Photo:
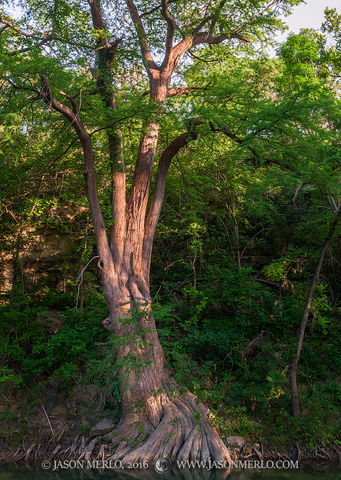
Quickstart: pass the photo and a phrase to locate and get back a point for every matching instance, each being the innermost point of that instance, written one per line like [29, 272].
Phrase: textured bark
[159, 190]
[104, 77]
[157, 421]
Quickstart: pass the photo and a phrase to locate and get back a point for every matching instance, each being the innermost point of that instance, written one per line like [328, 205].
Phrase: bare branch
[144, 46]
[80, 279]
[171, 25]
[48, 419]
[294, 362]
[152, 10]
[173, 92]
[297, 191]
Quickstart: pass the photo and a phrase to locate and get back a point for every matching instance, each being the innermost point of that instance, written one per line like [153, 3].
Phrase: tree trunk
[293, 367]
[157, 421]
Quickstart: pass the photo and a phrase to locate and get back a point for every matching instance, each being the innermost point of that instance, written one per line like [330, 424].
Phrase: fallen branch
[48, 420]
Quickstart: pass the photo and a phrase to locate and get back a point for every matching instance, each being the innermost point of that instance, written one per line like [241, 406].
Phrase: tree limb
[17, 29]
[159, 190]
[173, 92]
[89, 173]
[296, 411]
[207, 37]
[72, 100]
[226, 131]
[21, 87]
[171, 25]
[104, 78]
[203, 22]
[152, 10]
[44, 37]
[144, 46]
[190, 41]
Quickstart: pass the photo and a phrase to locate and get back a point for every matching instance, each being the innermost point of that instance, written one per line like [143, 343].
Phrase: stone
[102, 427]
[235, 441]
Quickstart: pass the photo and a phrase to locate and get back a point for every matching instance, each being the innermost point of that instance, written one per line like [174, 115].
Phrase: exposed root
[36, 455]
[188, 439]
[182, 432]
[61, 434]
[258, 453]
[15, 454]
[29, 452]
[101, 453]
[74, 446]
[89, 449]
[55, 451]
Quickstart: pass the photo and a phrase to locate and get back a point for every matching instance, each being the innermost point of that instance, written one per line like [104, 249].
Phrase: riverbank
[67, 445]
[78, 425]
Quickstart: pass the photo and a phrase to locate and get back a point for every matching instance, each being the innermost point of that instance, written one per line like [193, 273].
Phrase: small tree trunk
[293, 367]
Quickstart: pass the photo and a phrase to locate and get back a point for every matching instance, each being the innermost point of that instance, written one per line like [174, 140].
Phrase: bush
[38, 343]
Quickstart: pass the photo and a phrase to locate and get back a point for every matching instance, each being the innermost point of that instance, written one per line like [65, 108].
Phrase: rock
[102, 427]
[235, 441]
[107, 438]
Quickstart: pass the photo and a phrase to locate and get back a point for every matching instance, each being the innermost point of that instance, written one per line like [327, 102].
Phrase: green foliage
[8, 378]
[37, 343]
[248, 389]
[102, 371]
